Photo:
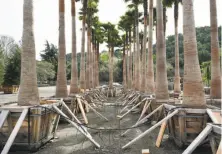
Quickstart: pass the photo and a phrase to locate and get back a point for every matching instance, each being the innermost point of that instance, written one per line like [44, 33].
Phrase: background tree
[45, 71]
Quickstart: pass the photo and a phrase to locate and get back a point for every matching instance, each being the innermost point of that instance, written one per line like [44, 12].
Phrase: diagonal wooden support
[82, 110]
[144, 119]
[14, 132]
[219, 151]
[80, 128]
[99, 114]
[145, 108]
[3, 116]
[198, 139]
[120, 117]
[150, 129]
[161, 133]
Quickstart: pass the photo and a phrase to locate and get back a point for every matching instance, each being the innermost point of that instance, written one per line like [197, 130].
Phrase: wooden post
[151, 129]
[161, 133]
[198, 139]
[14, 132]
[36, 123]
[82, 111]
[182, 125]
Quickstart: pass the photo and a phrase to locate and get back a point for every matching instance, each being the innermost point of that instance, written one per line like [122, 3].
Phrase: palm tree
[82, 64]
[150, 72]
[28, 91]
[143, 66]
[193, 92]
[161, 71]
[61, 84]
[124, 62]
[215, 55]
[177, 88]
[74, 73]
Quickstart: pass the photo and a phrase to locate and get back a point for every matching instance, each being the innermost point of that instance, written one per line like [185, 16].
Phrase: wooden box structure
[185, 126]
[10, 89]
[38, 127]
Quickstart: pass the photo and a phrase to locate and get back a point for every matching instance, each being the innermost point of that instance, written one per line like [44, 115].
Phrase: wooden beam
[3, 116]
[150, 129]
[82, 110]
[145, 108]
[144, 119]
[219, 150]
[214, 118]
[78, 127]
[213, 144]
[14, 132]
[161, 133]
[198, 139]
[145, 151]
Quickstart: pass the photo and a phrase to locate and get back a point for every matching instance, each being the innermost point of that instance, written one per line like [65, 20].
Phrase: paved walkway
[43, 92]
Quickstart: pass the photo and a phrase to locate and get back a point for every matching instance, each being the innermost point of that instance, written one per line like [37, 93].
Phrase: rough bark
[161, 70]
[28, 90]
[177, 88]
[134, 58]
[88, 61]
[111, 67]
[193, 91]
[61, 84]
[97, 63]
[138, 63]
[124, 66]
[215, 55]
[130, 62]
[82, 64]
[74, 72]
[150, 71]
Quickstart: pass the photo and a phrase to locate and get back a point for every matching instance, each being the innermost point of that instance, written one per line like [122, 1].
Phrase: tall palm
[61, 84]
[74, 73]
[161, 71]
[193, 92]
[82, 64]
[177, 88]
[150, 71]
[143, 66]
[215, 55]
[28, 92]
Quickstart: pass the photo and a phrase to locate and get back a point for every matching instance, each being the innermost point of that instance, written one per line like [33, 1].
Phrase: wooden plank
[161, 133]
[145, 151]
[3, 116]
[151, 129]
[182, 126]
[82, 110]
[198, 139]
[213, 144]
[14, 132]
[145, 107]
[215, 116]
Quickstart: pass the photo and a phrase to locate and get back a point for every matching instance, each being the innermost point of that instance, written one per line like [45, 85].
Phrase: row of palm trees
[138, 72]
[142, 75]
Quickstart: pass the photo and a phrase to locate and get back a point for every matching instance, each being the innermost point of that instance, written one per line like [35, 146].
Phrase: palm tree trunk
[193, 92]
[74, 73]
[124, 66]
[28, 78]
[82, 64]
[138, 63]
[161, 71]
[215, 55]
[130, 61]
[134, 57]
[164, 20]
[150, 71]
[88, 76]
[143, 77]
[177, 67]
[97, 63]
[111, 67]
[61, 84]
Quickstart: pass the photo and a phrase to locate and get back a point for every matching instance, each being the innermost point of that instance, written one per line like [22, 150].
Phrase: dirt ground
[70, 141]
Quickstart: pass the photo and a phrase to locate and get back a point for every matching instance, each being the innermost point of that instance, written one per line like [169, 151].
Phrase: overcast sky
[46, 19]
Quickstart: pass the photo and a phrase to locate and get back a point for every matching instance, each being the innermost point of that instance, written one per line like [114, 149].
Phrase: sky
[46, 19]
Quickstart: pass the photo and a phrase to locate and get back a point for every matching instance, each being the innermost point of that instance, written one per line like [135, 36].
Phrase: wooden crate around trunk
[37, 129]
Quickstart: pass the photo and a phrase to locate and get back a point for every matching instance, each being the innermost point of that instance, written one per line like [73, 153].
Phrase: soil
[71, 141]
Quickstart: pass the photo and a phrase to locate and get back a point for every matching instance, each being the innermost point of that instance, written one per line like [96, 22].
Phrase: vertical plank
[3, 116]
[182, 126]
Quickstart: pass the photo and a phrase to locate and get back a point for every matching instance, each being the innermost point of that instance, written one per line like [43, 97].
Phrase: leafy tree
[50, 54]
[1, 67]
[205, 69]
[45, 71]
[13, 68]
